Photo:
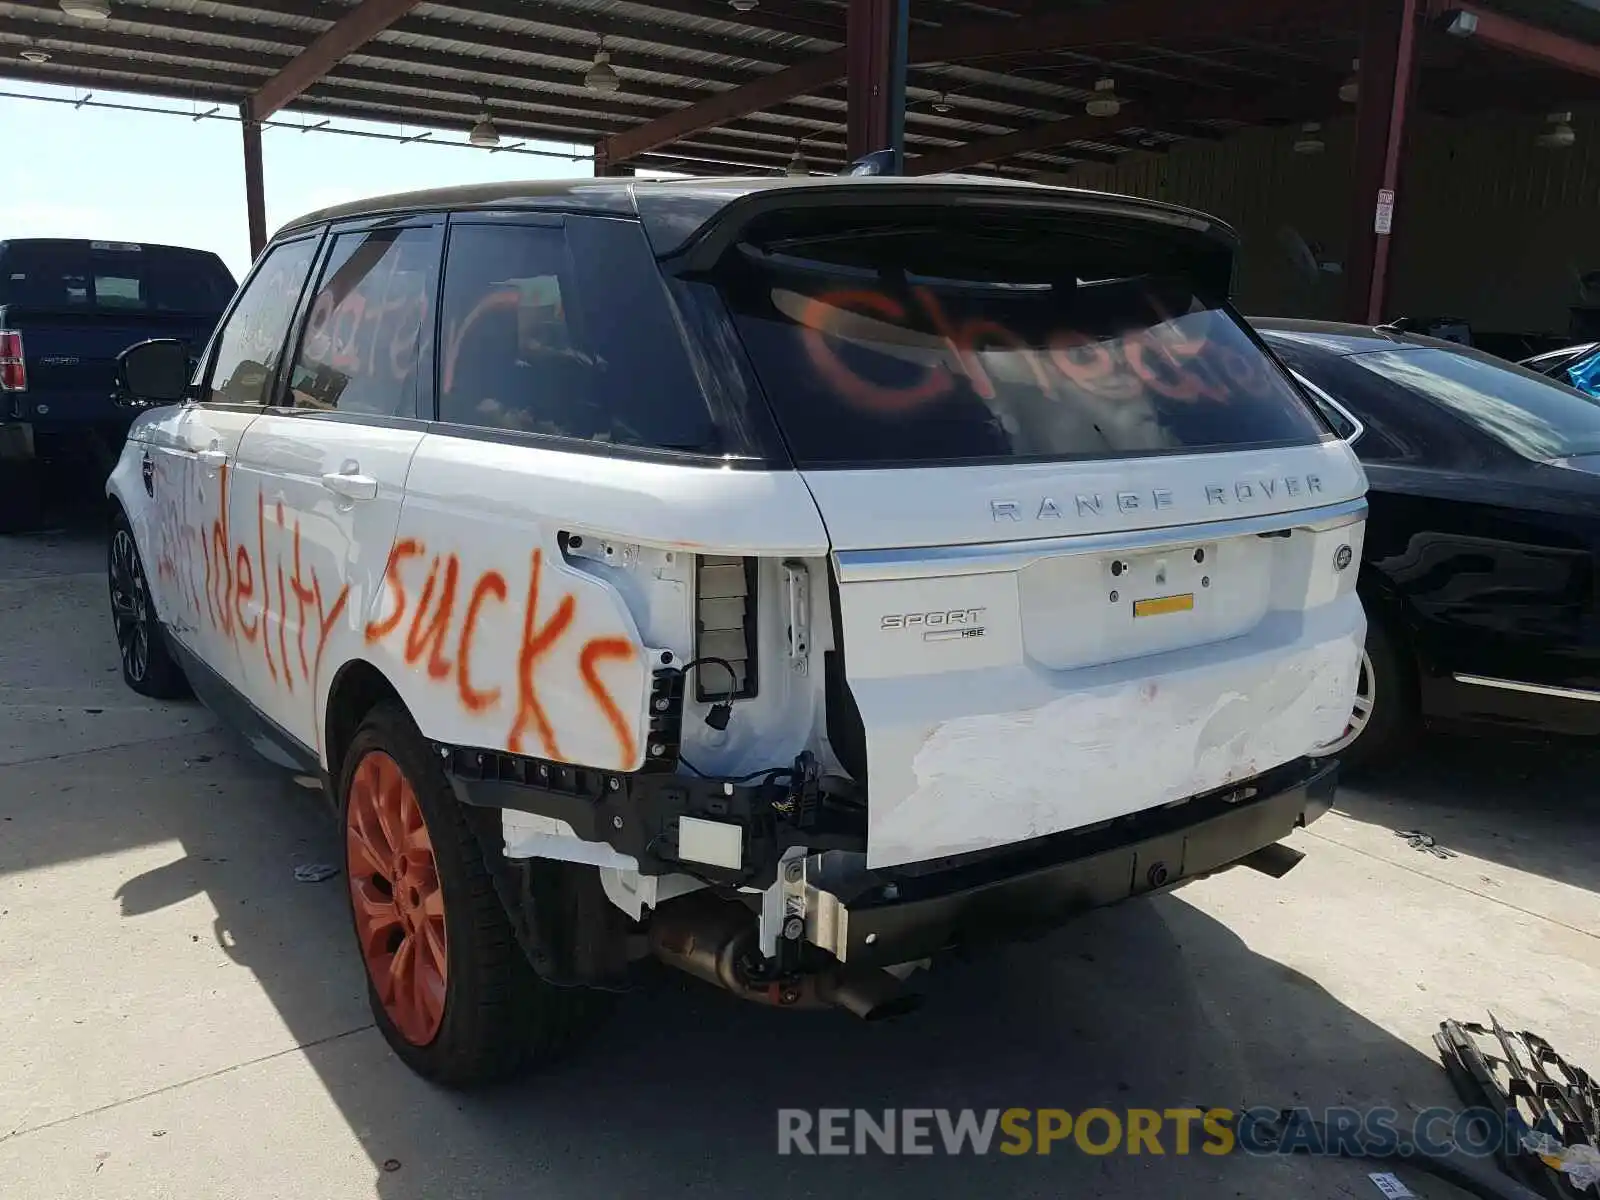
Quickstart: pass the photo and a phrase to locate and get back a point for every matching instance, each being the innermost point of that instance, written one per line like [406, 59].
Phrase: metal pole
[255, 191]
[896, 99]
[1398, 111]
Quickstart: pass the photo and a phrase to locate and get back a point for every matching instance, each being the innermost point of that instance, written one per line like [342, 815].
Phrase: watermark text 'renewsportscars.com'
[1351, 1132]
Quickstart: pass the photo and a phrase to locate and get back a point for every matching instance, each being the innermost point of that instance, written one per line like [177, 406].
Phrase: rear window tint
[866, 364]
[113, 275]
[565, 331]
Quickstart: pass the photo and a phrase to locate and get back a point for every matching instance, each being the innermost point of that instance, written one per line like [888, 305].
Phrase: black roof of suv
[675, 210]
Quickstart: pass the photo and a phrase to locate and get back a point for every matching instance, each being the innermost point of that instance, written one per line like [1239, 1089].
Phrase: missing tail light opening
[725, 627]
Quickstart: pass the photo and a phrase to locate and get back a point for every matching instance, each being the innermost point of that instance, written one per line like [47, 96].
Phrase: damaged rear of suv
[837, 572]
[1068, 600]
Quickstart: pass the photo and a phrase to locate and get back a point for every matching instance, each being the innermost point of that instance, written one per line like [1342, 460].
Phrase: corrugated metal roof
[524, 61]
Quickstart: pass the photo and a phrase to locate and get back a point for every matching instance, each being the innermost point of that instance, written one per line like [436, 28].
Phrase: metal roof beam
[1052, 134]
[1133, 21]
[363, 23]
[373, 62]
[1518, 37]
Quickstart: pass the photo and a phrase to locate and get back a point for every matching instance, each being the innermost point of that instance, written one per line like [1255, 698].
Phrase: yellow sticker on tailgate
[1157, 605]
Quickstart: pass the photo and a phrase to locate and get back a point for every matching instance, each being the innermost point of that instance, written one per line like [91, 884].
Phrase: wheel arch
[1386, 605]
[356, 688]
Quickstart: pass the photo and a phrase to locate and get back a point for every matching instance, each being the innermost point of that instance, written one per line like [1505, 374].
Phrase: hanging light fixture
[942, 104]
[31, 53]
[742, 5]
[797, 162]
[1560, 135]
[87, 10]
[1310, 139]
[484, 133]
[1350, 89]
[1104, 102]
[601, 75]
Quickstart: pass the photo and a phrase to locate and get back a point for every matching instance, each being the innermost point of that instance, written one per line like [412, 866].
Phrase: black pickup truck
[67, 309]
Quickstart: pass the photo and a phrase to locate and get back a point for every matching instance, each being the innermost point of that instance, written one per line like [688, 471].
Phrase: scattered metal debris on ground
[1418, 840]
[315, 872]
[1556, 1103]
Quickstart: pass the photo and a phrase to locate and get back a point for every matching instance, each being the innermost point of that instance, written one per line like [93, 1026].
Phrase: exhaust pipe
[713, 940]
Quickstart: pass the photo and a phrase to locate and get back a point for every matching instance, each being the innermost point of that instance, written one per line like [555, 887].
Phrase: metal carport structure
[712, 86]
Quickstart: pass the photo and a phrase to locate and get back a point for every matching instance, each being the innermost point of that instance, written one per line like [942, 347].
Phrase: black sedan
[1482, 554]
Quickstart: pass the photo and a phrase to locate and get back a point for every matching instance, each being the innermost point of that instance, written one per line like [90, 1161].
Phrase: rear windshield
[867, 363]
[1536, 417]
[113, 276]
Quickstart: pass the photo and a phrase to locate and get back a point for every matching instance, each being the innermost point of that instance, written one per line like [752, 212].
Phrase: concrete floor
[184, 1019]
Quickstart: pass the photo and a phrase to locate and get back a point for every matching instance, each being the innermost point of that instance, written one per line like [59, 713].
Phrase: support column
[1387, 79]
[875, 34]
[255, 190]
[604, 168]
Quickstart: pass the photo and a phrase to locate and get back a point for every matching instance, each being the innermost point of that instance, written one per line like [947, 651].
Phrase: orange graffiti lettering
[303, 596]
[378, 630]
[606, 648]
[535, 644]
[491, 584]
[283, 643]
[220, 543]
[266, 588]
[818, 318]
[325, 624]
[501, 299]
[245, 590]
[421, 636]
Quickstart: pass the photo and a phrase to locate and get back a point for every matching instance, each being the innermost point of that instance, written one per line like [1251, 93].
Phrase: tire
[147, 663]
[477, 1012]
[1388, 685]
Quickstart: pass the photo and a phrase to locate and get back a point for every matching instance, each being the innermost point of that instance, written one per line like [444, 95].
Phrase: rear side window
[1535, 417]
[113, 276]
[564, 330]
[250, 343]
[866, 362]
[370, 324]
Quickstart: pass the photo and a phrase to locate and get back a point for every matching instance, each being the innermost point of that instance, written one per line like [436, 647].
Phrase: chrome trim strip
[1322, 394]
[855, 566]
[1533, 689]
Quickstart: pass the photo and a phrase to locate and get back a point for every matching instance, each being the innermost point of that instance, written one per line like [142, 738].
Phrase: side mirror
[155, 372]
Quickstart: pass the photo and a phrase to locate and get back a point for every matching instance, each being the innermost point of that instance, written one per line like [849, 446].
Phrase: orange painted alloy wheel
[395, 894]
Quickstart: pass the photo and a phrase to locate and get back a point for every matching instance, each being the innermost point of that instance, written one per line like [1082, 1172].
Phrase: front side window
[250, 344]
[370, 324]
[565, 331]
[867, 361]
[1533, 416]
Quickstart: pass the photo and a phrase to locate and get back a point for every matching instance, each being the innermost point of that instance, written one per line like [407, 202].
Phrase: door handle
[212, 458]
[350, 486]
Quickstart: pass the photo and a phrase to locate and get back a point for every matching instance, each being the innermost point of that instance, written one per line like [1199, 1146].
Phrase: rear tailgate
[1095, 552]
[71, 355]
[1013, 689]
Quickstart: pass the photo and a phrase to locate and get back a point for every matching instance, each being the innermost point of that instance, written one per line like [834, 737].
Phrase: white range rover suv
[787, 579]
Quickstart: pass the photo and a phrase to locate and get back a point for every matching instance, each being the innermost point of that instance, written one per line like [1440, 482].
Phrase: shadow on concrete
[1152, 1004]
[1531, 804]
